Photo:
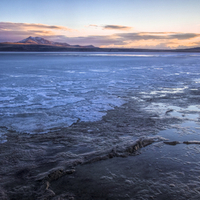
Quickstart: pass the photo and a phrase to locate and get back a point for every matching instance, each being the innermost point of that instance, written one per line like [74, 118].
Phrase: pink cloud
[13, 32]
[27, 26]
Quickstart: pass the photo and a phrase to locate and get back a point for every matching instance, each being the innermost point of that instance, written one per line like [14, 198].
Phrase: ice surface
[40, 91]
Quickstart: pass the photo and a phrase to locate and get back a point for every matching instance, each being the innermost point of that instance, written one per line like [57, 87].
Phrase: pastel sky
[161, 24]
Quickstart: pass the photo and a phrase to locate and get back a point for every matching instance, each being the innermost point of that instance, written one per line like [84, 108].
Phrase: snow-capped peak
[42, 41]
[35, 40]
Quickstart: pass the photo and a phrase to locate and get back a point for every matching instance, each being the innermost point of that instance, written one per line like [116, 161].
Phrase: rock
[168, 111]
[172, 143]
[191, 142]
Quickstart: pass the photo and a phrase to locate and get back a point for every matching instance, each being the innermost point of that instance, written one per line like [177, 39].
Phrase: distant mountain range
[38, 44]
[42, 41]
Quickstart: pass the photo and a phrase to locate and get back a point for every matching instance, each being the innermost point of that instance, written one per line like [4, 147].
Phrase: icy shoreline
[38, 166]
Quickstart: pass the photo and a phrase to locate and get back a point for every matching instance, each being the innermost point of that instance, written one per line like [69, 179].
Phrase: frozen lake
[124, 124]
[43, 91]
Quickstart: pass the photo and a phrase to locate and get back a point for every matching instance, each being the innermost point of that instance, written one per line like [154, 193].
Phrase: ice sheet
[60, 88]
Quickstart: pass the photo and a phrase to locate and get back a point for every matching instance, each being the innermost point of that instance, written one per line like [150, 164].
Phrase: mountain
[38, 44]
[42, 41]
[35, 40]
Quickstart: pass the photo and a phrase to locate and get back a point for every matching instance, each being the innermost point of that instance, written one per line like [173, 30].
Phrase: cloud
[112, 27]
[93, 40]
[140, 40]
[92, 25]
[130, 39]
[184, 36]
[117, 27]
[25, 26]
[13, 32]
[157, 36]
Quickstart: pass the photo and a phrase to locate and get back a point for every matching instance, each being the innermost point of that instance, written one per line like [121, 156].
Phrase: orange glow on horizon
[114, 36]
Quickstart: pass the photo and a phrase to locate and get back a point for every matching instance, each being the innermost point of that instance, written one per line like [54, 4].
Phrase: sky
[158, 24]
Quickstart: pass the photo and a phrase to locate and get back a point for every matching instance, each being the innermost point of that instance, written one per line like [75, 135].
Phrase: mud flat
[147, 148]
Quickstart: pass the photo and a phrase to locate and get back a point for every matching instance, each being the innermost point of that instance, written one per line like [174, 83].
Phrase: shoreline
[49, 48]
